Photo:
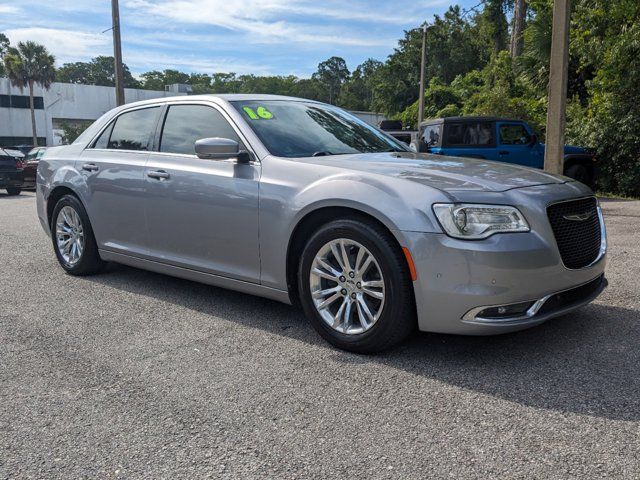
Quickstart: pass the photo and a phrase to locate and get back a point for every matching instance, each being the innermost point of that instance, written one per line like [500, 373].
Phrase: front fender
[399, 205]
[291, 190]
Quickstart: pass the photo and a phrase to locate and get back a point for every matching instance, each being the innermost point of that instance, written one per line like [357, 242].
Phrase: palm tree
[29, 64]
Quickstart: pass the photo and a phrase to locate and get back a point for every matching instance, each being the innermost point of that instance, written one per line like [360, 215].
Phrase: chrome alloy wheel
[69, 235]
[347, 286]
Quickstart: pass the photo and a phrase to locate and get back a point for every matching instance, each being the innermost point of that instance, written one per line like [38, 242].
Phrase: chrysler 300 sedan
[301, 202]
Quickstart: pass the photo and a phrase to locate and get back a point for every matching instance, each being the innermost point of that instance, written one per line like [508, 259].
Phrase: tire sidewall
[578, 170]
[89, 242]
[393, 283]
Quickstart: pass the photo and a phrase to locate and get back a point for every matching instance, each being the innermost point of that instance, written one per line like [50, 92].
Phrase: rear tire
[14, 191]
[70, 224]
[393, 316]
[579, 173]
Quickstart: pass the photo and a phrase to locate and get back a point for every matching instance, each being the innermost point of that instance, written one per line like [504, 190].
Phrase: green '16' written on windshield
[258, 113]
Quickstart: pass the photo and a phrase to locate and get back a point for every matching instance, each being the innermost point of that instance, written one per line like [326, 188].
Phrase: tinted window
[476, 134]
[305, 129]
[513, 134]
[431, 135]
[103, 139]
[185, 124]
[133, 130]
[21, 101]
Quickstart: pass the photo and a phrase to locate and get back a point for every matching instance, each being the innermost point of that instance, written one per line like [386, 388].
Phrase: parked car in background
[11, 170]
[31, 161]
[302, 202]
[397, 131]
[500, 139]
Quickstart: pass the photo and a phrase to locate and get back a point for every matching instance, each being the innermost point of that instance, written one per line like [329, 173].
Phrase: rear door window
[184, 124]
[470, 134]
[130, 131]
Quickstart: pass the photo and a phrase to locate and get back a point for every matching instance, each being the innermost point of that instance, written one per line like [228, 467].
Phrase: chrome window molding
[214, 105]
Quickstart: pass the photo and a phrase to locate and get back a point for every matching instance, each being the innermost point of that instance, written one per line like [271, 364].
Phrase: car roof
[468, 119]
[229, 97]
[7, 152]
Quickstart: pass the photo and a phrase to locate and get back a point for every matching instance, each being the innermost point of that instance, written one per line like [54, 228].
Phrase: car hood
[444, 173]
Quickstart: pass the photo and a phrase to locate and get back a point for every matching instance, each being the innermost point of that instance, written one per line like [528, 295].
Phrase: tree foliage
[29, 64]
[99, 71]
[475, 65]
[4, 46]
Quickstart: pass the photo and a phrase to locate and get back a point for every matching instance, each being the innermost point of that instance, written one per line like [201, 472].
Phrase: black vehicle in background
[11, 171]
[31, 167]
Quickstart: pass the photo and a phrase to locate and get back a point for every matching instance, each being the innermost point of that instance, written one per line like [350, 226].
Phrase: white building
[63, 102]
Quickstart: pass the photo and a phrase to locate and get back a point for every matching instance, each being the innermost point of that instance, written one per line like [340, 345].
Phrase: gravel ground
[132, 374]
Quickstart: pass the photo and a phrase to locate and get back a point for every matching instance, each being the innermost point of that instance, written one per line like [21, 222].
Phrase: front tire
[73, 240]
[355, 287]
[14, 191]
[580, 173]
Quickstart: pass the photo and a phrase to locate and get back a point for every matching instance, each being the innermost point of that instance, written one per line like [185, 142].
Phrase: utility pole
[422, 68]
[558, 74]
[117, 53]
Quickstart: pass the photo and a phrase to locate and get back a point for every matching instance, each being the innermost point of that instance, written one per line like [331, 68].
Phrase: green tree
[454, 47]
[99, 71]
[357, 92]
[27, 65]
[72, 131]
[309, 88]
[332, 74]
[493, 25]
[606, 40]
[4, 45]
[156, 80]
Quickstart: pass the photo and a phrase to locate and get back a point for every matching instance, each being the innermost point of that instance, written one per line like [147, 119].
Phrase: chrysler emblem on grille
[579, 217]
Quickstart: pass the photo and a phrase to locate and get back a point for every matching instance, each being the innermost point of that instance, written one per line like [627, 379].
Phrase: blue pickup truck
[500, 139]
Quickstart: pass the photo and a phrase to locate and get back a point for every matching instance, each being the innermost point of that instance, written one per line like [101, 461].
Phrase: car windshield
[33, 154]
[306, 129]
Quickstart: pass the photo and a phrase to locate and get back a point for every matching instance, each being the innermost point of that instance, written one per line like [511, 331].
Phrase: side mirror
[216, 148]
[533, 140]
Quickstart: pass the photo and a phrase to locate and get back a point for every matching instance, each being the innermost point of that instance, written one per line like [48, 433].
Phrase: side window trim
[112, 122]
[157, 133]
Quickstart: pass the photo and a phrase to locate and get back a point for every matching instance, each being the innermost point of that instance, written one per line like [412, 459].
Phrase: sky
[263, 37]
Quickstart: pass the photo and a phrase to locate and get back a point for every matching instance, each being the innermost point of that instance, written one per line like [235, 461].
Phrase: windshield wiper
[322, 153]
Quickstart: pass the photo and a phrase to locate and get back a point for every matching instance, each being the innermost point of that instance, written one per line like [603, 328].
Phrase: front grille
[576, 227]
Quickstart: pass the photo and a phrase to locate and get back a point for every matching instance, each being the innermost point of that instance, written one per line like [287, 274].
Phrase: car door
[514, 145]
[113, 169]
[202, 214]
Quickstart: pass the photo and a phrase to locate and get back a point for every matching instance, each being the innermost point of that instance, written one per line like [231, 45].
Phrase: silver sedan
[303, 203]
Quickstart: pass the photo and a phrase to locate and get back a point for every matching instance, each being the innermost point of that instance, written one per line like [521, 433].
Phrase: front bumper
[458, 279]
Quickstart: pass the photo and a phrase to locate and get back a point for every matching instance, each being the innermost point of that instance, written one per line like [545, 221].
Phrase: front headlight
[474, 222]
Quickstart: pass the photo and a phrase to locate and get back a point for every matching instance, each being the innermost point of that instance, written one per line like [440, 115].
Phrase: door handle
[90, 167]
[158, 175]
[503, 152]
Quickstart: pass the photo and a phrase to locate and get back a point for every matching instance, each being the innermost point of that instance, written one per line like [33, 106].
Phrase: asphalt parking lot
[136, 375]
